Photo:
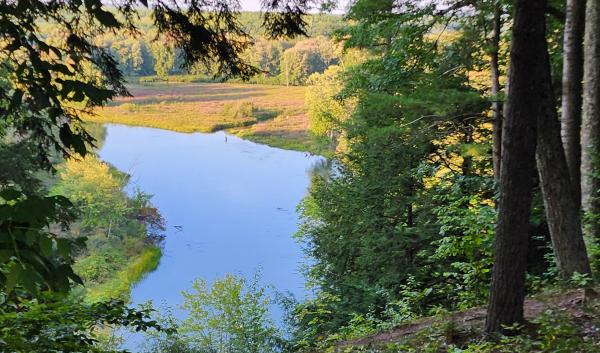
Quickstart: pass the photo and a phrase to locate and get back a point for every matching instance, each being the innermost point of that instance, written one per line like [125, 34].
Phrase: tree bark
[572, 78]
[590, 129]
[495, 90]
[524, 105]
[560, 199]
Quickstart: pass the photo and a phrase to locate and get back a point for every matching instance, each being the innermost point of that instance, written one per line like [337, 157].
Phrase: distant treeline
[288, 62]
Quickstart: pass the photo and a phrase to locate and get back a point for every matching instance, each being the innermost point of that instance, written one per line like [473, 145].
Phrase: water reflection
[229, 204]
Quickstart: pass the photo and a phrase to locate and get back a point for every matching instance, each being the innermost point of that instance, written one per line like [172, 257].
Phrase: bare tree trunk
[109, 229]
[572, 78]
[560, 199]
[590, 129]
[495, 90]
[524, 105]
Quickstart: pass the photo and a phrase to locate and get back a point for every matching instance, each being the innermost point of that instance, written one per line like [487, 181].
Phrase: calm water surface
[229, 205]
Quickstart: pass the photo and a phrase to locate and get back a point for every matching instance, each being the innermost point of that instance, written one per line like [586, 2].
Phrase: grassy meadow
[274, 115]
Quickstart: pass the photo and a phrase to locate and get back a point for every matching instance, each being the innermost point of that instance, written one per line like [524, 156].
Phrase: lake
[229, 204]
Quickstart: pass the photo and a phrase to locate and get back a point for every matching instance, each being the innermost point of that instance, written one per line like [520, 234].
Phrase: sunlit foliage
[229, 316]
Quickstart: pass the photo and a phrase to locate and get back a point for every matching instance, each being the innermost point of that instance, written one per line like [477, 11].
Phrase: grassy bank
[276, 115]
[123, 231]
[119, 285]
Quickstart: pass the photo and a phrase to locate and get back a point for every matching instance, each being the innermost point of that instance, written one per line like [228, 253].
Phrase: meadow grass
[277, 114]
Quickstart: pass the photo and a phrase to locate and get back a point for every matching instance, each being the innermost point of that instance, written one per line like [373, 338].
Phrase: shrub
[237, 110]
[231, 315]
[130, 107]
[99, 267]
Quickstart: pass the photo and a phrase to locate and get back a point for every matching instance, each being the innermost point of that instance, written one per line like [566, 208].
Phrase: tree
[305, 58]
[47, 84]
[229, 316]
[128, 53]
[590, 129]
[96, 190]
[495, 90]
[572, 78]
[58, 324]
[266, 55]
[164, 58]
[525, 102]
[559, 194]
[558, 165]
[388, 228]
[325, 112]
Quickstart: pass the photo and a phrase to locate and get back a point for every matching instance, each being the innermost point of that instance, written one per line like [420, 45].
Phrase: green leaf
[12, 276]
[63, 247]
[46, 246]
[10, 194]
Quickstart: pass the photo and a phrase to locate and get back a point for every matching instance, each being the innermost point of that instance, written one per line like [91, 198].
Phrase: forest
[457, 209]
[148, 58]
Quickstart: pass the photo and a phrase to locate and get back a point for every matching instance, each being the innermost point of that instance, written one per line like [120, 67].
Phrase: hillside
[557, 322]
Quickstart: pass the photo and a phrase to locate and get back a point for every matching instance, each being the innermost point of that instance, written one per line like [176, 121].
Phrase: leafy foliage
[305, 58]
[229, 316]
[48, 82]
[325, 113]
[404, 224]
[92, 186]
[31, 255]
[123, 232]
[148, 53]
[57, 324]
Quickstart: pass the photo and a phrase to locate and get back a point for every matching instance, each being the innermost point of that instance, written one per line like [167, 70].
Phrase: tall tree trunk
[524, 105]
[572, 78]
[560, 200]
[590, 129]
[495, 90]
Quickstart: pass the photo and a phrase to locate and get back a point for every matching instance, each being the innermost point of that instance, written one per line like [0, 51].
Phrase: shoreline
[266, 114]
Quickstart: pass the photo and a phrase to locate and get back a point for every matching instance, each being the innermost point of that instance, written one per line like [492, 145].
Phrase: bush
[99, 267]
[130, 107]
[93, 268]
[54, 323]
[239, 110]
[231, 313]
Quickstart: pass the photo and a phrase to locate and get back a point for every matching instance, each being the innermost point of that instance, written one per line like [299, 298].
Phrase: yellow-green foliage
[99, 267]
[239, 109]
[96, 189]
[325, 112]
[230, 315]
[307, 57]
[121, 282]
[117, 253]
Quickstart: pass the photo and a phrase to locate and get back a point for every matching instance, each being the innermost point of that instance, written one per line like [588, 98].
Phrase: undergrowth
[570, 329]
